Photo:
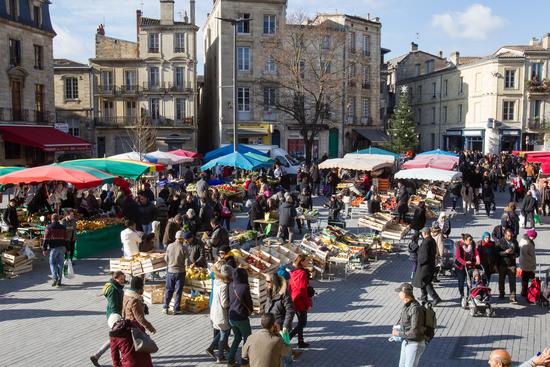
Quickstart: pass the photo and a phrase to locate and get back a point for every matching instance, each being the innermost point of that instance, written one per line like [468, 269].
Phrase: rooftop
[156, 22]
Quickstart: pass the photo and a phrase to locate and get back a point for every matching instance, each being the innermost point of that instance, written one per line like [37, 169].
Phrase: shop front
[454, 141]
[510, 139]
[464, 139]
[532, 142]
[251, 134]
[297, 148]
[365, 138]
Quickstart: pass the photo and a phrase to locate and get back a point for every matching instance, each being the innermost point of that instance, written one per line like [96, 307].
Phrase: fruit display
[197, 273]
[389, 204]
[196, 304]
[96, 224]
[256, 262]
[242, 237]
[357, 201]
[141, 263]
[376, 221]
[192, 187]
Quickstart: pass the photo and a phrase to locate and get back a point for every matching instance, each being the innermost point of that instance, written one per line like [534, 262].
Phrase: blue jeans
[220, 340]
[147, 228]
[57, 256]
[174, 283]
[241, 331]
[411, 352]
[461, 276]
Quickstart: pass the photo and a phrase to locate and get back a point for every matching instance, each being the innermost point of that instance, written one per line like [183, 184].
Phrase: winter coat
[545, 195]
[172, 227]
[461, 256]
[281, 306]
[510, 220]
[202, 187]
[161, 212]
[123, 353]
[10, 217]
[426, 263]
[240, 300]
[504, 259]
[191, 224]
[419, 219]
[197, 254]
[133, 309]
[403, 197]
[298, 284]
[488, 257]
[487, 194]
[467, 194]
[146, 214]
[220, 306]
[413, 250]
[54, 236]
[412, 322]
[529, 204]
[205, 214]
[287, 213]
[219, 238]
[256, 211]
[263, 349]
[455, 189]
[527, 259]
[114, 294]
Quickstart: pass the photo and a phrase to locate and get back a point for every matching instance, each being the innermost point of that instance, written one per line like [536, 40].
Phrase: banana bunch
[197, 273]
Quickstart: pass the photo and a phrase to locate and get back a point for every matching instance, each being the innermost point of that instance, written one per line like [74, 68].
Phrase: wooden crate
[153, 294]
[21, 268]
[183, 303]
[195, 306]
[124, 265]
[137, 269]
[12, 257]
[199, 285]
[152, 264]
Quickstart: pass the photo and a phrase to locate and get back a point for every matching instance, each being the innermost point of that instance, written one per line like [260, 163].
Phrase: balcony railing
[537, 87]
[26, 115]
[366, 85]
[128, 89]
[366, 120]
[536, 123]
[106, 89]
[116, 121]
[125, 121]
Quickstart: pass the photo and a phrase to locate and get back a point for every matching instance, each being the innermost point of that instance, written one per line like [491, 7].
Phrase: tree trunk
[308, 144]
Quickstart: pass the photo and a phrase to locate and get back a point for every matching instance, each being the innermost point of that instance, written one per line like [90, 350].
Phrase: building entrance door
[16, 100]
[333, 143]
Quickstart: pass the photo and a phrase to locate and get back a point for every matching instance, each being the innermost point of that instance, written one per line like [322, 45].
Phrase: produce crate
[255, 264]
[154, 294]
[258, 291]
[196, 304]
[137, 269]
[20, 268]
[12, 257]
[183, 303]
[199, 285]
[153, 264]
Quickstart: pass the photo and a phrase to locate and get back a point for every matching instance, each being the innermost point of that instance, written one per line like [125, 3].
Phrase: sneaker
[54, 284]
[59, 284]
[95, 361]
[513, 299]
[210, 352]
[178, 312]
[221, 360]
[165, 311]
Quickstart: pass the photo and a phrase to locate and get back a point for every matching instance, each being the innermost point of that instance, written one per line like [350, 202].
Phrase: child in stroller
[479, 297]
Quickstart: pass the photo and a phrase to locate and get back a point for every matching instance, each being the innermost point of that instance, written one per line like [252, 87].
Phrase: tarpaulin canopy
[374, 150]
[536, 157]
[4, 170]
[45, 138]
[355, 164]
[123, 168]
[545, 167]
[167, 158]
[439, 152]
[234, 159]
[429, 174]
[186, 153]
[267, 162]
[440, 162]
[226, 149]
[81, 178]
[371, 157]
[133, 156]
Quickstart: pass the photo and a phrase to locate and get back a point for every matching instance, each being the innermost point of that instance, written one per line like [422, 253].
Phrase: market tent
[227, 149]
[440, 162]
[537, 157]
[371, 157]
[439, 152]
[545, 167]
[234, 159]
[80, 178]
[374, 150]
[4, 170]
[123, 168]
[186, 153]
[133, 156]
[167, 158]
[429, 174]
[266, 161]
[355, 164]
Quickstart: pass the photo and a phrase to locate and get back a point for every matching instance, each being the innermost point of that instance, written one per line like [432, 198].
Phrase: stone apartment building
[494, 103]
[27, 107]
[152, 80]
[351, 121]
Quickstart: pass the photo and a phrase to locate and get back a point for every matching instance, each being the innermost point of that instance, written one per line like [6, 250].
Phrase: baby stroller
[478, 299]
[448, 258]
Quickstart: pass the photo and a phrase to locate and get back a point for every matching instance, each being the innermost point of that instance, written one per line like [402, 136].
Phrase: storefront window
[297, 149]
[473, 143]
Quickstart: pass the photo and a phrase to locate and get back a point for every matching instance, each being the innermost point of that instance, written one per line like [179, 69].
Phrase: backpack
[498, 232]
[430, 322]
[534, 291]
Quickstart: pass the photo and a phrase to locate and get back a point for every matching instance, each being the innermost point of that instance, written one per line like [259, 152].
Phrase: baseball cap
[180, 235]
[406, 288]
[187, 235]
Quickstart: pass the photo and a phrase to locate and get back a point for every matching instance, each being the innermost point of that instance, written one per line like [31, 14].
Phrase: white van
[290, 164]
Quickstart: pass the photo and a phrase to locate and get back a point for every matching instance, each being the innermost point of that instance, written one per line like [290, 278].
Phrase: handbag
[241, 302]
[143, 342]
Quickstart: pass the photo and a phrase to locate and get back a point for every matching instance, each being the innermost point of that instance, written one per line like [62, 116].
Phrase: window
[417, 69]
[352, 71]
[244, 26]
[325, 67]
[419, 116]
[15, 52]
[108, 108]
[243, 58]
[179, 42]
[36, 15]
[12, 150]
[352, 108]
[325, 45]
[433, 115]
[366, 75]
[106, 80]
[269, 99]
[302, 68]
[153, 43]
[154, 76]
[434, 89]
[352, 41]
[366, 104]
[154, 108]
[509, 78]
[535, 108]
[536, 70]
[446, 87]
[270, 66]
[12, 10]
[419, 89]
[366, 45]
[131, 109]
[74, 127]
[38, 57]
[180, 109]
[243, 99]
[461, 85]
[71, 88]
[429, 66]
[445, 114]
[130, 80]
[39, 102]
[459, 113]
[269, 24]
[178, 77]
[508, 110]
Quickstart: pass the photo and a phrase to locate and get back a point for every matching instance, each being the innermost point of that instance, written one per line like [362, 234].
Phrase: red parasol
[186, 153]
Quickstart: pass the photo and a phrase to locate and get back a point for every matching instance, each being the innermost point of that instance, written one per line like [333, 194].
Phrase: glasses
[268, 281]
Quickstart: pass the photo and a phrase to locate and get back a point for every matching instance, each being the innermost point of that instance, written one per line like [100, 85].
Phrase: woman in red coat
[301, 297]
[122, 346]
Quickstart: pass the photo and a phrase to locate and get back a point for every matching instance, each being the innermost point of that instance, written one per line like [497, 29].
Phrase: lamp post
[234, 23]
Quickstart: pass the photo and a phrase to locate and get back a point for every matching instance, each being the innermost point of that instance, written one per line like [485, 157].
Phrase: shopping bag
[143, 342]
[519, 272]
[521, 221]
[285, 336]
[538, 220]
[68, 270]
[28, 252]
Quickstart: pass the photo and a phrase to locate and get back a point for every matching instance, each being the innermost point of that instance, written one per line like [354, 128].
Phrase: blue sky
[474, 28]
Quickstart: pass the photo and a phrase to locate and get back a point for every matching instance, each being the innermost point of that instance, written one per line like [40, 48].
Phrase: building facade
[495, 103]
[150, 82]
[352, 118]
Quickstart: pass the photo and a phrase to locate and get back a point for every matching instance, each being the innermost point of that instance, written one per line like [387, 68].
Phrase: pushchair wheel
[473, 311]
[489, 312]
[464, 302]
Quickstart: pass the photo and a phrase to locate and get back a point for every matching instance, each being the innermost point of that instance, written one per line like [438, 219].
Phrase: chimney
[440, 54]
[534, 41]
[101, 30]
[138, 22]
[192, 11]
[166, 12]
[546, 41]
[455, 57]
[414, 46]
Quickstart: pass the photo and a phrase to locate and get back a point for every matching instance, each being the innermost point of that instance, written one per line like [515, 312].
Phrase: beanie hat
[485, 235]
[532, 233]
[113, 319]
[283, 273]
[136, 283]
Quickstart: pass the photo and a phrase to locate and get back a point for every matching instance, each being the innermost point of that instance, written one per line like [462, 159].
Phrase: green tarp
[93, 243]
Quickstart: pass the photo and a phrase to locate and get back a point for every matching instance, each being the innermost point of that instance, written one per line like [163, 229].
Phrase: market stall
[96, 236]
[442, 162]
[356, 164]
[428, 174]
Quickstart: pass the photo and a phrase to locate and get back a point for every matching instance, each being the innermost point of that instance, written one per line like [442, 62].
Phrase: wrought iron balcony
[26, 115]
[537, 87]
[536, 123]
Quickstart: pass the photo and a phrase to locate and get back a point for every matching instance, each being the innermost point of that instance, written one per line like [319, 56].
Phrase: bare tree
[304, 65]
[143, 135]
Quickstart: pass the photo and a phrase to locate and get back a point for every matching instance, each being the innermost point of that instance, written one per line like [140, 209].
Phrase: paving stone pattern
[348, 326]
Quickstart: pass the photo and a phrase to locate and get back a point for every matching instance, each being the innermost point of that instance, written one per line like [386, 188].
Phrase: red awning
[46, 138]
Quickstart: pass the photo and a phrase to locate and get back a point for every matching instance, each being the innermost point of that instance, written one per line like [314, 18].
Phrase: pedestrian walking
[455, 192]
[508, 251]
[411, 328]
[488, 197]
[418, 220]
[123, 353]
[176, 256]
[545, 199]
[426, 268]
[467, 194]
[133, 307]
[488, 256]
[70, 227]
[466, 258]
[264, 348]
[301, 294]
[528, 208]
[219, 312]
[527, 259]
[413, 253]
[240, 309]
[55, 242]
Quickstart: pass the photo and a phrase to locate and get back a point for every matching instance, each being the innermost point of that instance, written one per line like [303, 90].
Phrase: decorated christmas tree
[402, 127]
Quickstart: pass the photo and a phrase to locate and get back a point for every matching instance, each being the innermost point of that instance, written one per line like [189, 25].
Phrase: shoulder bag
[143, 342]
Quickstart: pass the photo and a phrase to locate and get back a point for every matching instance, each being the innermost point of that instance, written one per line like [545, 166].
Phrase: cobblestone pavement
[349, 324]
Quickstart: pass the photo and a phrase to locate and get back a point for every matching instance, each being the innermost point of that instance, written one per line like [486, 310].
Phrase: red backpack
[534, 292]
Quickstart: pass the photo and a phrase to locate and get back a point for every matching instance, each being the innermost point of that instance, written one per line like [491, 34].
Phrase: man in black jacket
[197, 255]
[287, 215]
[507, 249]
[426, 268]
[219, 237]
[10, 217]
[528, 209]
[411, 325]
[55, 240]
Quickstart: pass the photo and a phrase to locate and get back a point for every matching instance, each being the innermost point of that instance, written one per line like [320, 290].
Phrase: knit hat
[180, 235]
[190, 212]
[136, 283]
[187, 235]
[485, 235]
[532, 233]
[113, 319]
[283, 273]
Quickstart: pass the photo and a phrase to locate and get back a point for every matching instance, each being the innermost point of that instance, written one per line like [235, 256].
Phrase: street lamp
[234, 23]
